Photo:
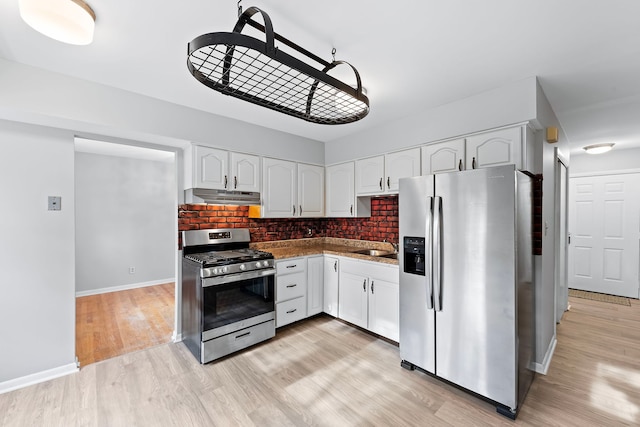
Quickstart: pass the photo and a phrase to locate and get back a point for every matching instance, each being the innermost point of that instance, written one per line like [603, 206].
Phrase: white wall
[37, 96]
[37, 301]
[611, 162]
[514, 103]
[125, 217]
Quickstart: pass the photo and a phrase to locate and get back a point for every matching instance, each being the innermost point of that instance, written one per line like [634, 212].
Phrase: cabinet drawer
[291, 286]
[291, 311]
[295, 265]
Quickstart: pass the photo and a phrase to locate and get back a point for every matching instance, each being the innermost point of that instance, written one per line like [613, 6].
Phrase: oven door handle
[229, 278]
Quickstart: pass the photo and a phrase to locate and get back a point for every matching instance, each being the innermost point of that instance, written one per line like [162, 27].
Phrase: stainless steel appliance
[466, 289]
[227, 293]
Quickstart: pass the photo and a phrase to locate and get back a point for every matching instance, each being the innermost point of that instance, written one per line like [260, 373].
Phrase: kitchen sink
[374, 252]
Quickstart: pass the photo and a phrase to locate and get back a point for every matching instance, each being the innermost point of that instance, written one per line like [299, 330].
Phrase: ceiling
[411, 55]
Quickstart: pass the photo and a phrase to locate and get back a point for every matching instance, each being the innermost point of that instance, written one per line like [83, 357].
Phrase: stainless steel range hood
[221, 197]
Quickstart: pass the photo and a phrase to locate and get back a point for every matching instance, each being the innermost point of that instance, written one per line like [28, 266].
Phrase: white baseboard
[543, 367]
[176, 337]
[38, 377]
[123, 287]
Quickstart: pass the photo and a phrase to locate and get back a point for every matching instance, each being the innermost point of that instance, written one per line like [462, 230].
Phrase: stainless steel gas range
[227, 293]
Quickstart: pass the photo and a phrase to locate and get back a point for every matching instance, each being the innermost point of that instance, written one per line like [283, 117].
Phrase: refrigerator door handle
[437, 253]
[428, 258]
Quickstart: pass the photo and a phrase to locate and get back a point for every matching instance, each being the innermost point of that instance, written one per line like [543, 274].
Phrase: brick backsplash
[383, 223]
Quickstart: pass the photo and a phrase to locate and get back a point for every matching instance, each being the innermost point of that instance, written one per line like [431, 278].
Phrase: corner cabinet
[380, 175]
[369, 296]
[292, 189]
[223, 170]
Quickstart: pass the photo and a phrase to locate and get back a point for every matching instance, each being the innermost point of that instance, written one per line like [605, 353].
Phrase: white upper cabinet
[340, 195]
[223, 170]
[292, 189]
[401, 164]
[310, 190]
[211, 168]
[370, 176]
[380, 175]
[495, 148]
[245, 172]
[443, 157]
[279, 197]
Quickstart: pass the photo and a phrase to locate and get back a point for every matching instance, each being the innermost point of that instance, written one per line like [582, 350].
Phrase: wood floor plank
[323, 372]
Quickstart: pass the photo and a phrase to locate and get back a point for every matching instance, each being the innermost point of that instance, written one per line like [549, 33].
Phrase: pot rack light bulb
[68, 21]
[598, 148]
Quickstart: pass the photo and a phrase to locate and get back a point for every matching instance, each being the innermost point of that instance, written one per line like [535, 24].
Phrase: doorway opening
[125, 218]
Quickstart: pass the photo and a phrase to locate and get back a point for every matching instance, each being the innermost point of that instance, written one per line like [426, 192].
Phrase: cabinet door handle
[372, 287]
[243, 335]
[473, 163]
[235, 182]
[294, 210]
[225, 181]
[460, 165]
[335, 264]
[381, 183]
[364, 285]
[300, 213]
[292, 266]
[292, 311]
[292, 286]
[351, 210]
[388, 183]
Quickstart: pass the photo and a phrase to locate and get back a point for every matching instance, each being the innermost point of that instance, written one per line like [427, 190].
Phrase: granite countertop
[325, 245]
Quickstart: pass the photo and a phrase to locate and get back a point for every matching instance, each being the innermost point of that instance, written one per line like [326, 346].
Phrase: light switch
[55, 203]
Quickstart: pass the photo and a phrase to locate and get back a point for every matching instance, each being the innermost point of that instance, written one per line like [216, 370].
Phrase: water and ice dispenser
[414, 254]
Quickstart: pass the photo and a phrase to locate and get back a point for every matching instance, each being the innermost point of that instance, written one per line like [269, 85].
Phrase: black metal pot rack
[258, 72]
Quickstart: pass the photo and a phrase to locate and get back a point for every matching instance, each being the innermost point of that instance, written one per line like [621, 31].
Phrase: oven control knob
[242, 267]
[258, 264]
[224, 269]
[215, 271]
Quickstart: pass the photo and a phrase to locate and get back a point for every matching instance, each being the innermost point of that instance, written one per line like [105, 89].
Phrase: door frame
[561, 298]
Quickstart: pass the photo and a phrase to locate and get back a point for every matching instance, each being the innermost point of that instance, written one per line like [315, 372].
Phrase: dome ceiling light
[598, 148]
[247, 68]
[68, 21]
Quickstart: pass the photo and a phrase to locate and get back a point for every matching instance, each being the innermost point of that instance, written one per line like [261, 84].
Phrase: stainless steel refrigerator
[466, 281]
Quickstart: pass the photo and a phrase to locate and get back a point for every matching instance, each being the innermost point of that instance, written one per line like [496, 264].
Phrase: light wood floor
[324, 372]
[115, 323]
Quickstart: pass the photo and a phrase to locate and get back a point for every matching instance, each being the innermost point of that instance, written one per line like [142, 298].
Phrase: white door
[245, 170]
[340, 190]
[370, 176]
[280, 192]
[402, 164]
[211, 167]
[604, 218]
[443, 157]
[310, 190]
[562, 290]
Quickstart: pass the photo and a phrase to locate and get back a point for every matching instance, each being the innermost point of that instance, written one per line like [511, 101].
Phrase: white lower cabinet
[369, 296]
[315, 285]
[291, 290]
[331, 269]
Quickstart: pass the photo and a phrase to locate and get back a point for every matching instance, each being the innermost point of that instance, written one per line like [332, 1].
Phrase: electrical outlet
[132, 270]
[54, 203]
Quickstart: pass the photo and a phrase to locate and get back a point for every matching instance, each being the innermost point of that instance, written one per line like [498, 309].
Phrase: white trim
[543, 367]
[38, 377]
[176, 337]
[601, 173]
[124, 287]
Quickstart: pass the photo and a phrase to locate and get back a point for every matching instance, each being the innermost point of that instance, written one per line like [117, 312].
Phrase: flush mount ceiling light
[258, 72]
[68, 21]
[598, 148]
